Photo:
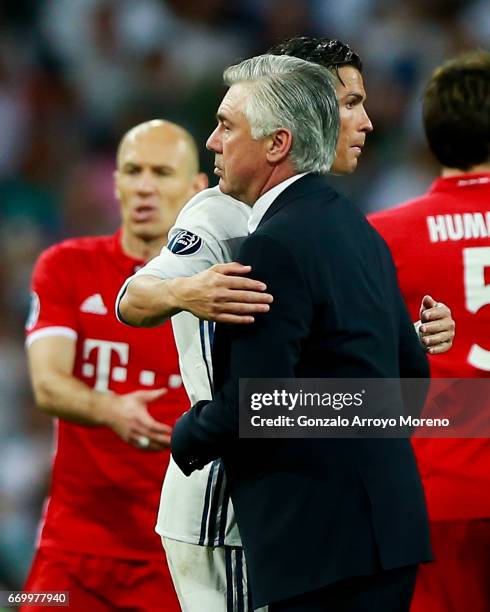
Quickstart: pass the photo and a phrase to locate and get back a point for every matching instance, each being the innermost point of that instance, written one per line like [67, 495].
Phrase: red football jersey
[104, 493]
[441, 245]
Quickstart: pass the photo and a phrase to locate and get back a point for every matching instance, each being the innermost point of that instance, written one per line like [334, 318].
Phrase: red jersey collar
[461, 181]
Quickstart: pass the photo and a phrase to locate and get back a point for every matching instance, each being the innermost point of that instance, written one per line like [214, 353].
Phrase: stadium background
[75, 74]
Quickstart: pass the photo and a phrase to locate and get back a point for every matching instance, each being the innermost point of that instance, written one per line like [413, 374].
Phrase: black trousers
[388, 591]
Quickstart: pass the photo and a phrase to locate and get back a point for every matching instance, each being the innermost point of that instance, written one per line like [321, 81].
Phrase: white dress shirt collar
[262, 205]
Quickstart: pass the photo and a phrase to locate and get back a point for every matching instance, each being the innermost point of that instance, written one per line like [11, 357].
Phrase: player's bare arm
[437, 328]
[58, 393]
[219, 293]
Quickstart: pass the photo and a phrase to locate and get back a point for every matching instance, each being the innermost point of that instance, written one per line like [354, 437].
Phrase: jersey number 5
[477, 294]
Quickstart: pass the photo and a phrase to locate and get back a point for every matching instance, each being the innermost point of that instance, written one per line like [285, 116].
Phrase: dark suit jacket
[313, 511]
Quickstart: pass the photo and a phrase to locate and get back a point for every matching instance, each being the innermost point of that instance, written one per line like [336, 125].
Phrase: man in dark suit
[326, 524]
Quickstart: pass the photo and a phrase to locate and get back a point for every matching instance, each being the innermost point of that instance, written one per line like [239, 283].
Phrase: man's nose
[367, 125]
[146, 183]
[213, 142]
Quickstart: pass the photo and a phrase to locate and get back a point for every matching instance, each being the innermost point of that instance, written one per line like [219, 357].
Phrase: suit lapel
[306, 185]
[302, 187]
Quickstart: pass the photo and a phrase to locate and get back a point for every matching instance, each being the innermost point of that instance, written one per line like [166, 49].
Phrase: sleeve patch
[185, 243]
[34, 309]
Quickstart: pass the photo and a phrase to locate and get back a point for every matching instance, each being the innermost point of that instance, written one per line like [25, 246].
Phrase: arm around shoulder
[148, 300]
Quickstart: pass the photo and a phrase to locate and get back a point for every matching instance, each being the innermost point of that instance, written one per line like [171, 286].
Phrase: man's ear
[116, 184]
[279, 146]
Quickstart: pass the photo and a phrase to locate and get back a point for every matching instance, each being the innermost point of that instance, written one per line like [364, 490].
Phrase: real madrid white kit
[210, 574]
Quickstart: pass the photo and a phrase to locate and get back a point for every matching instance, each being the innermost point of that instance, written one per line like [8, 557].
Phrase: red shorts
[102, 584]
[459, 578]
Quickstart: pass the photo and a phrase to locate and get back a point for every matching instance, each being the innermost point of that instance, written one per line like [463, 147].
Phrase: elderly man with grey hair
[326, 524]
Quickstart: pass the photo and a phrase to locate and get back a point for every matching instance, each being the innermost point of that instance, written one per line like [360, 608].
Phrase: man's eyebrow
[354, 94]
[221, 117]
[164, 167]
[134, 164]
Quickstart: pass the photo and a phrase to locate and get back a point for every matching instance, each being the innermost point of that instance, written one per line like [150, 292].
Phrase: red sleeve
[53, 295]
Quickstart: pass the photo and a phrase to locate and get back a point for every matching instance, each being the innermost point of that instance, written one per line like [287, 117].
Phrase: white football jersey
[209, 229]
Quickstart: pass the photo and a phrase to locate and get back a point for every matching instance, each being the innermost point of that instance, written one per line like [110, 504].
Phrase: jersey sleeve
[209, 230]
[53, 311]
[186, 253]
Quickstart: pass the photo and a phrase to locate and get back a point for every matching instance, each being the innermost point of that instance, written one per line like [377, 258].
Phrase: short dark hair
[457, 111]
[328, 52]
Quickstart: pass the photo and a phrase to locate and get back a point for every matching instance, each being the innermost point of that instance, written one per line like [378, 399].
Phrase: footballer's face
[354, 121]
[156, 175]
[240, 162]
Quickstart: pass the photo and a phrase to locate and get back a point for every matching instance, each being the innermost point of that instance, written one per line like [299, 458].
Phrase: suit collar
[266, 200]
[304, 186]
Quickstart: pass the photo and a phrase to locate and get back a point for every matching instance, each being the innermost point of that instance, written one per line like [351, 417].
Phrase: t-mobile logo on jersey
[104, 374]
[102, 368]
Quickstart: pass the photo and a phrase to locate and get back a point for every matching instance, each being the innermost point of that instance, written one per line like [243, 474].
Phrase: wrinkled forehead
[234, 101]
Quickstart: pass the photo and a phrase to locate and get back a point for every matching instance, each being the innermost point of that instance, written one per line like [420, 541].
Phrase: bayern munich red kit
[441, 242]
[104, 492]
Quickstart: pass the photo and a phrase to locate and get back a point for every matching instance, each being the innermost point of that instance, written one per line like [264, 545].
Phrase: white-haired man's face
[240, 162]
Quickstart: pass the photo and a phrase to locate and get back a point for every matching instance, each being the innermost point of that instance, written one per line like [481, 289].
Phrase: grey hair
[287, 92]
